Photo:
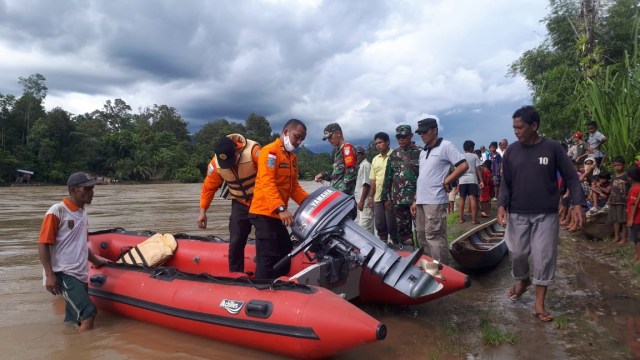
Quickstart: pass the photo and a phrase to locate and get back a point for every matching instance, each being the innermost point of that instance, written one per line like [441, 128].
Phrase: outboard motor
[324, 227]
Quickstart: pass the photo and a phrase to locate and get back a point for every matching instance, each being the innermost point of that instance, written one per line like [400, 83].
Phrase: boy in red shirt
[633, 213]
[487, 191]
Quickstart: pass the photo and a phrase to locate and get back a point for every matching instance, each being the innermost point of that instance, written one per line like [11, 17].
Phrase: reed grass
[612, 100]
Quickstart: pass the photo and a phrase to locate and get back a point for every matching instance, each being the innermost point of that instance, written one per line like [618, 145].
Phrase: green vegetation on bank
[587, 69]
[151, 145]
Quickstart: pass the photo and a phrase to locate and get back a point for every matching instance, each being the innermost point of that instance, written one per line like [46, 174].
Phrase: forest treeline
[151, 145]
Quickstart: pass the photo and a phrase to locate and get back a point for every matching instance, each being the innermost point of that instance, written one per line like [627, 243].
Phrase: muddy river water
[598, 302]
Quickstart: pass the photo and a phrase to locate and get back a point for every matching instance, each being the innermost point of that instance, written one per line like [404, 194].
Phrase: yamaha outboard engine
[324, 226]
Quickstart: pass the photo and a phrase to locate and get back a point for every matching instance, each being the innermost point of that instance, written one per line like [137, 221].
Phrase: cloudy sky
[369, 65]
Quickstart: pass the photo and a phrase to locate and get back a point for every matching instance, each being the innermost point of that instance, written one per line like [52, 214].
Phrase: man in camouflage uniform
[344, 173]
[399, 189]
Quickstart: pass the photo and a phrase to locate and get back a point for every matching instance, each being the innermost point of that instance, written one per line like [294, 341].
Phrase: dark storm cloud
[368, 64]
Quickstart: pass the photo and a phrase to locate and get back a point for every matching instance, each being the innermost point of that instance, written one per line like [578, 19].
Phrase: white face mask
[287, 143]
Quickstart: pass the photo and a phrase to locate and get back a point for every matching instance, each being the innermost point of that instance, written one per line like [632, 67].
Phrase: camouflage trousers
[404, 222]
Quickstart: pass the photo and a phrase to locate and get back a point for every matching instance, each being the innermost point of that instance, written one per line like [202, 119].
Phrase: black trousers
[273, 242]
[239, 229]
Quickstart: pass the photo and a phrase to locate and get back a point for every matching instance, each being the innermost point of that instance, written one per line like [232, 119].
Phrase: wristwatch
[281, 208]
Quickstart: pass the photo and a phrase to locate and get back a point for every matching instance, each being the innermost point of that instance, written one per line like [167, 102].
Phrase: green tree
[618, 30]
[583, 37]
[208, 135]
[188, 175]
[612, 101]
[310, 164]
[258, 129]
[34, 85]
[115, 115]
[8, 166]
[52, 139]
[29, 107]
[26, 111]
[167, 118]
[6, 129]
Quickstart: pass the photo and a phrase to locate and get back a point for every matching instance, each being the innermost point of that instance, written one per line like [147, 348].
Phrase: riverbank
[595, 302]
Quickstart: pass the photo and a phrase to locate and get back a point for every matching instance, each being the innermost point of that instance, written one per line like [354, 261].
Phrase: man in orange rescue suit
[277, 181]
[235, 162]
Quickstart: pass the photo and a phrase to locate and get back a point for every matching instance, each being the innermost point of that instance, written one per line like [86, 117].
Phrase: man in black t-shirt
[528, 205]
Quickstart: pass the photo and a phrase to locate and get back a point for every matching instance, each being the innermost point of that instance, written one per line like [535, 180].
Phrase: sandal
[514, 295]
[543, 317]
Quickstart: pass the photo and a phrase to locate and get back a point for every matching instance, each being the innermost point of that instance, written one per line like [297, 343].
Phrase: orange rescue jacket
[277, 180]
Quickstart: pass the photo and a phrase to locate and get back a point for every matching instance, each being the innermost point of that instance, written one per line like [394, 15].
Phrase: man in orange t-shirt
[276, 183]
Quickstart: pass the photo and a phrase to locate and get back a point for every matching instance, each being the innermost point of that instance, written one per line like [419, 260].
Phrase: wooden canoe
[482, 247]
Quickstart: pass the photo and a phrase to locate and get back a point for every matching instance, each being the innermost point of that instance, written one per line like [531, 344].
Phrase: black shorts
[469, 189]
[78, 306]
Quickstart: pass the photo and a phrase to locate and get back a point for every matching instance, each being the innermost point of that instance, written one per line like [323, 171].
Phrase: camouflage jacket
[344, 174]
[401, 176]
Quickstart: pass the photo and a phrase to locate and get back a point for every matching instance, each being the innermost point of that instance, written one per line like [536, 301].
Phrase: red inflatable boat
[281, 317]
[197, 255]
[295, 315]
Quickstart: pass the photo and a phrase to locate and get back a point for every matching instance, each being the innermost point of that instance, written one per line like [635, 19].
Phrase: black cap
[225, 150]
[427, 124]
[81, 179]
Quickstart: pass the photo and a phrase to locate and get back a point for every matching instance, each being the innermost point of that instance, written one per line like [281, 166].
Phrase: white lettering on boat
[321, 197]
[232, 306]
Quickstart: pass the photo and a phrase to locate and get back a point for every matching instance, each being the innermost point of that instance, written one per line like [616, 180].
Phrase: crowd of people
[403, 196]
[605, 191]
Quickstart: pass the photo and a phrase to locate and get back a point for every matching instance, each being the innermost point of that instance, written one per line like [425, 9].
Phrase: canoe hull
[481, 248]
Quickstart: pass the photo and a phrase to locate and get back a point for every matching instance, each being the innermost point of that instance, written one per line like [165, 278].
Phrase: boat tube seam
[251, 325]
[170, 273]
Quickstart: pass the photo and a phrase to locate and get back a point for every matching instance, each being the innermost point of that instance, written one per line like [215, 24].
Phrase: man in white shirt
[434, 182]
[361, 193]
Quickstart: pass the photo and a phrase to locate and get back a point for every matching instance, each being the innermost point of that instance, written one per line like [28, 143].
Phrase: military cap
[403, 130]
[329, 129]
